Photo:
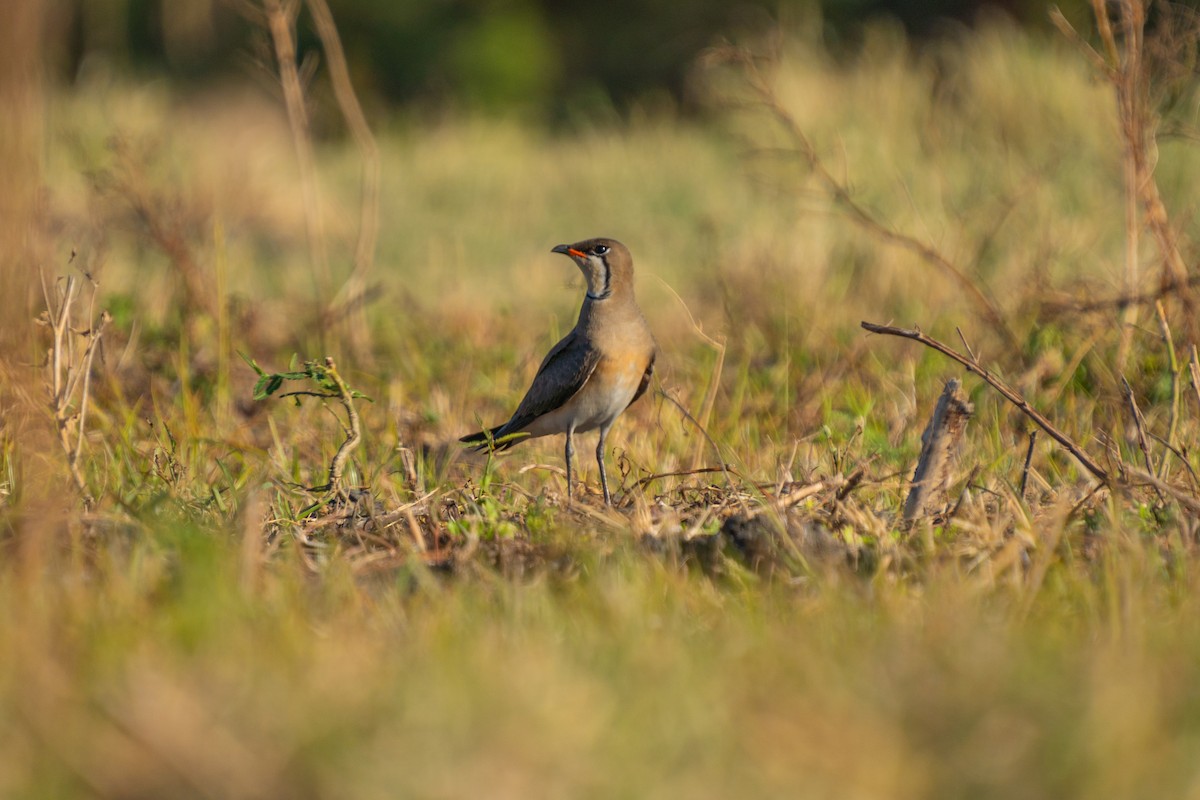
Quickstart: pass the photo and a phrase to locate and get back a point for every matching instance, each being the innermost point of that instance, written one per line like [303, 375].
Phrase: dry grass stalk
[279, 17]
[281, 22]
[714, 381]
[1173, 365]
[352, 294]
[1081, 455]
[1124, 65]
[938, 443]
[70, 372]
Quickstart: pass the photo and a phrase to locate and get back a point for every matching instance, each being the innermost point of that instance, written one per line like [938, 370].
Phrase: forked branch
[1009, 394]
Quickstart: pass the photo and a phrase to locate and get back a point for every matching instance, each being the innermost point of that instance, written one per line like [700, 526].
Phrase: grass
[191, 636]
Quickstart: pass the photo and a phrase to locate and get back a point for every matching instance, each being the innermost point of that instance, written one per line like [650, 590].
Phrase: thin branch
[1068, 30]
[1089, 463]
[1065, 303]
[856, 212]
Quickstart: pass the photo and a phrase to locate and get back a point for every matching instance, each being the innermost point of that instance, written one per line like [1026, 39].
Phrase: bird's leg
[569, 454]
[600, 461]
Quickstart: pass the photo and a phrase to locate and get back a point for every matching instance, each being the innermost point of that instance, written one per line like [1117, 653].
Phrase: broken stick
[1089, 463]
[938, 443]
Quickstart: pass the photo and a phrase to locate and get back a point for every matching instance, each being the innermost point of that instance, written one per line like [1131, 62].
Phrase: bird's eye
[600, 249]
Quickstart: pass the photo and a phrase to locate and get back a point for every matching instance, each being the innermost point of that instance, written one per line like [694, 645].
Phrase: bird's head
[605, 263]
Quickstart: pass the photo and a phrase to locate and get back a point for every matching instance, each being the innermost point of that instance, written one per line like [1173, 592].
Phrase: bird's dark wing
[641, 390]
[563, 372]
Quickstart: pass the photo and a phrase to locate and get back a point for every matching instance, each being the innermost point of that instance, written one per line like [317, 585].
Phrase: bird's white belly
[607, 393]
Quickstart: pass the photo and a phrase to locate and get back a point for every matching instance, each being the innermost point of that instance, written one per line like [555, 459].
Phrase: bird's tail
[492, 437]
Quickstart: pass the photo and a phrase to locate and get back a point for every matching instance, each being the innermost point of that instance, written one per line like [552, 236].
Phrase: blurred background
[549, 58]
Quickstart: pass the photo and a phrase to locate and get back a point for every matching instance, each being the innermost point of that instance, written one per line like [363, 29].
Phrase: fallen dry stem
[1089, 463]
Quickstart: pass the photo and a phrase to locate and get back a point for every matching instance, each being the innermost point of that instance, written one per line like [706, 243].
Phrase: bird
[596, 371]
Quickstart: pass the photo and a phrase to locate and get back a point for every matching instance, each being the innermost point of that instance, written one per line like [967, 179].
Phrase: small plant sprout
[328, 385]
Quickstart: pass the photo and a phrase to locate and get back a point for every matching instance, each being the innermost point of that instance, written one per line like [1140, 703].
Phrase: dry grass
[762, 626]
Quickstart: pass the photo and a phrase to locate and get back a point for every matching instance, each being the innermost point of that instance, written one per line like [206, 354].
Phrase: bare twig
[853, 480]
[1089, 463]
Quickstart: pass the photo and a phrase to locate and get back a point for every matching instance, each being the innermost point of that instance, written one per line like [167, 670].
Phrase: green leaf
[253, 364]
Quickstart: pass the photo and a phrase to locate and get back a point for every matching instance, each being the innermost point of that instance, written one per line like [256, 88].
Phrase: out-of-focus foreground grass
[190, 635]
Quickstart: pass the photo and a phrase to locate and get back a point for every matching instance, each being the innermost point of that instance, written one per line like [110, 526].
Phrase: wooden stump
[938, 444]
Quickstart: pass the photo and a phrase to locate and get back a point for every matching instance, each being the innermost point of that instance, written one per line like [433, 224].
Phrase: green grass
[191, 636]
